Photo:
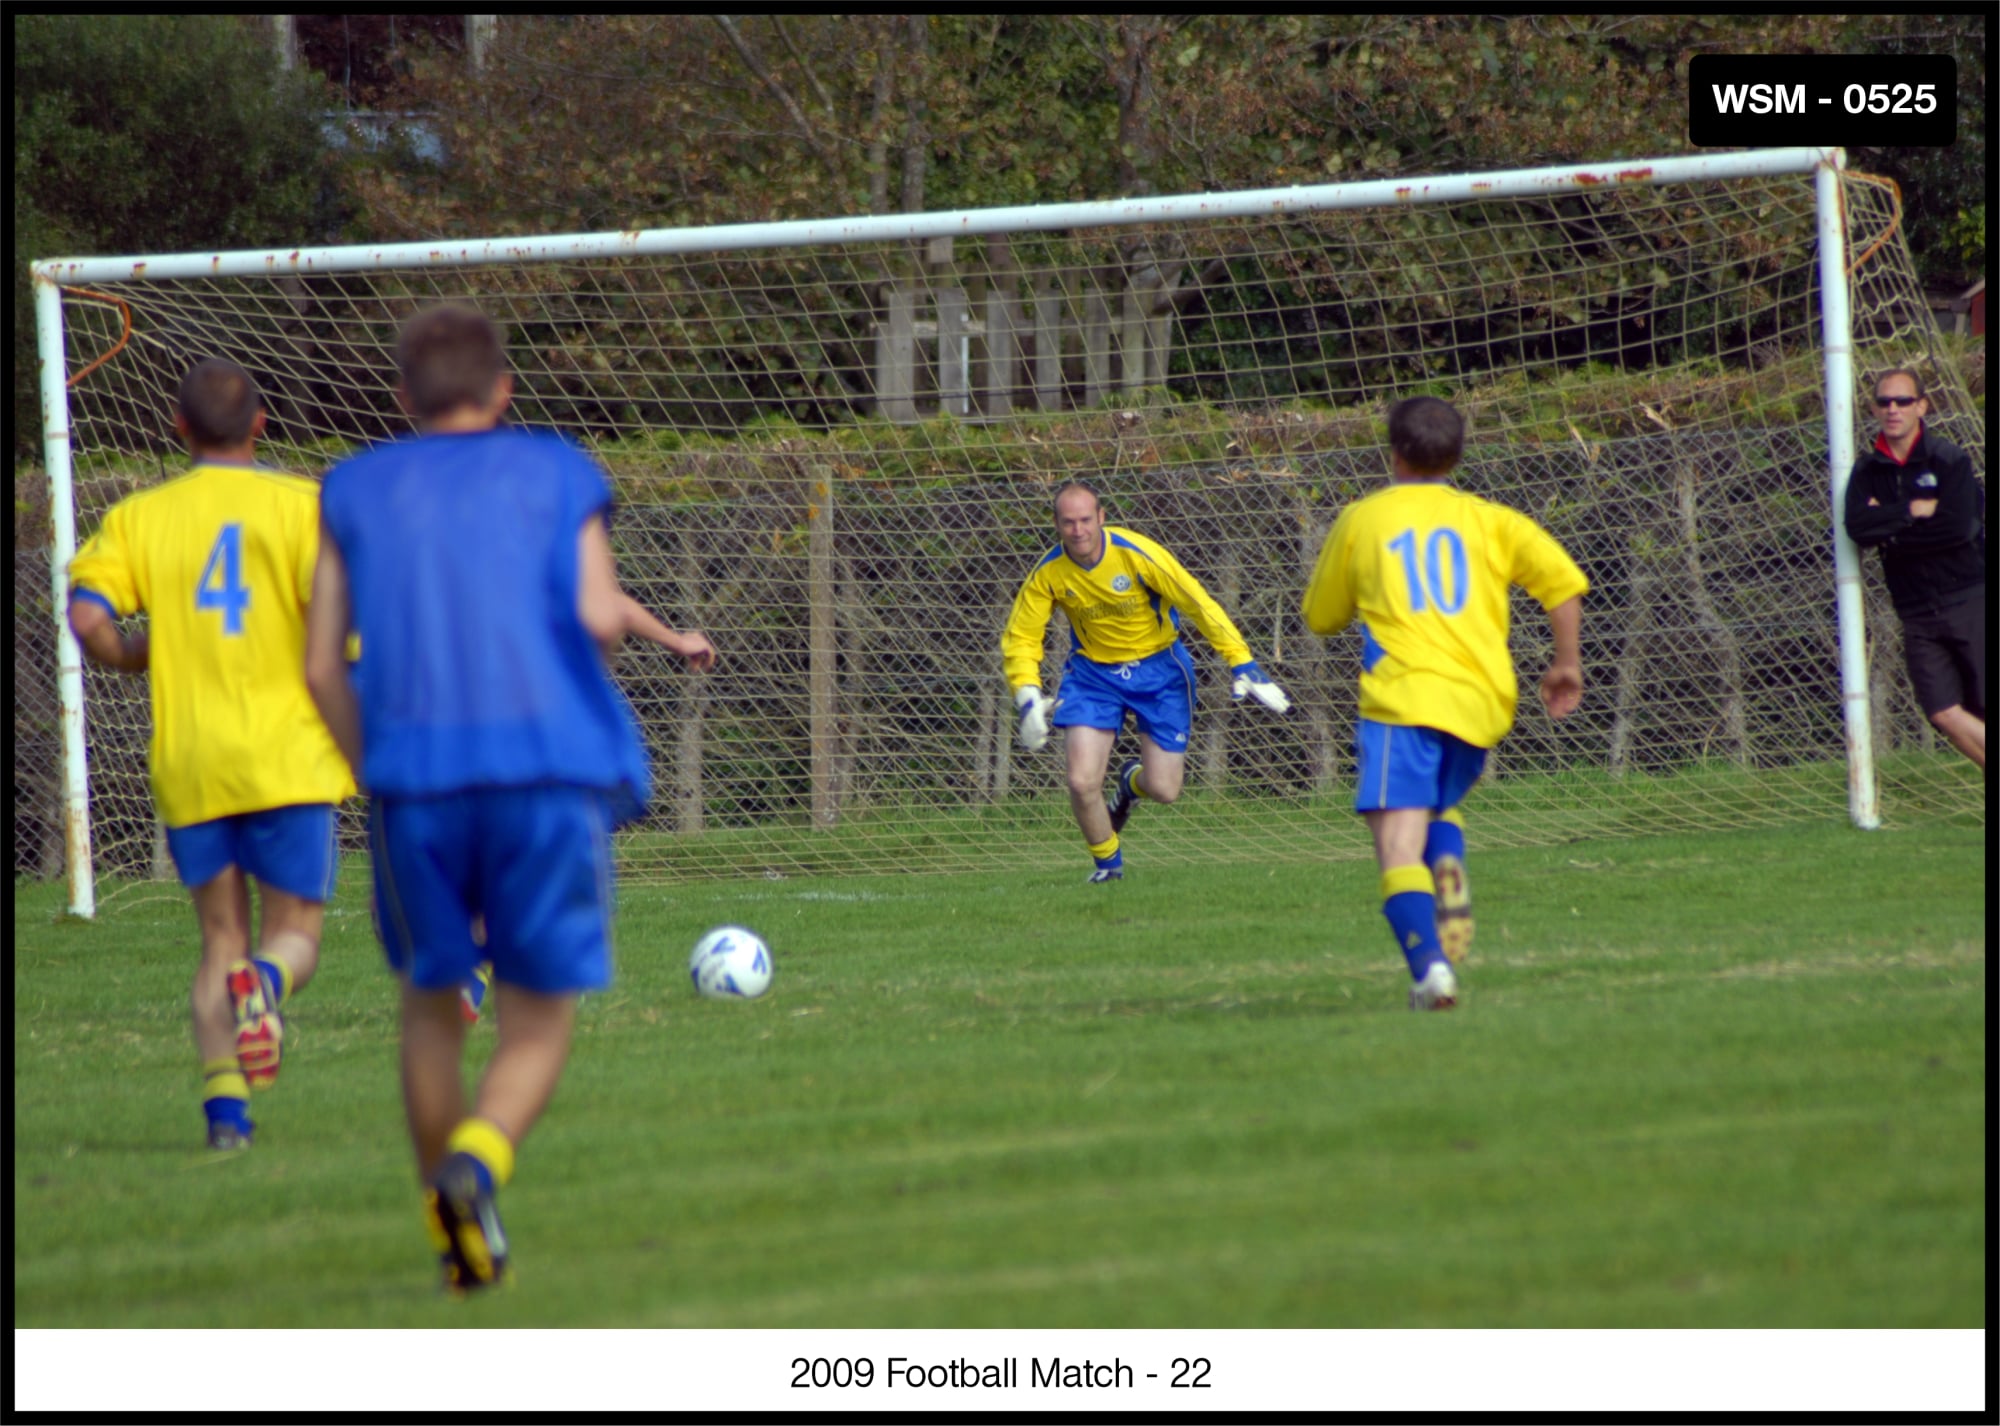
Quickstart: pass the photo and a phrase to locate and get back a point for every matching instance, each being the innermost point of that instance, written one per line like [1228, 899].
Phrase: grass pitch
[1725, 1081]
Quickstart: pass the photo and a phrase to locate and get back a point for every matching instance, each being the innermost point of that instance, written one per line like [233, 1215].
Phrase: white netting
[838, 461]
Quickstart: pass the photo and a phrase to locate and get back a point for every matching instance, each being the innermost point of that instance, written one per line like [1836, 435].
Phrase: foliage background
[125, 141]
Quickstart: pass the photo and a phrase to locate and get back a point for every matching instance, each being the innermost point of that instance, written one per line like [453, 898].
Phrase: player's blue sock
[225, 1095]
[475, 989]
[1445, 839]
[277, 980]
[1107, 854]
[1409, 901]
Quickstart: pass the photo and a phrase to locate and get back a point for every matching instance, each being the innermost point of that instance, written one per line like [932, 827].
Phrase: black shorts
[1946, 651]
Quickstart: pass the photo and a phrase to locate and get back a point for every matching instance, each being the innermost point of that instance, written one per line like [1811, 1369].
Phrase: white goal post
[833, 443]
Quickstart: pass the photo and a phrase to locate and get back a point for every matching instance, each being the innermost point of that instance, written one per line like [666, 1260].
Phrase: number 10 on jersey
[1428, 584]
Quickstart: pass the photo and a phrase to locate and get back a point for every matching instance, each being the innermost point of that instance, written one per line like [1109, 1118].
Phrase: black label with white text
[1828, 100]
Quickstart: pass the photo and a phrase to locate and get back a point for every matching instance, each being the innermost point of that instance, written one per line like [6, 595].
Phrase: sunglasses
[1885, 402]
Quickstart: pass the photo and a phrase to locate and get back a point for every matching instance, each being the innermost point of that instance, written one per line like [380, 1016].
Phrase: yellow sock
[223, 1079]
[484, 1141]
[1104, 851]
[1398, 879]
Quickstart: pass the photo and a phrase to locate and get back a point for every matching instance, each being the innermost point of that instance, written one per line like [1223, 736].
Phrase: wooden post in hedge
[1096, 347]
[1001, 364]
[896, 357]
[1132, 332]
[1212, 745]
[822, 657]
[690, 807]
[1048, 345]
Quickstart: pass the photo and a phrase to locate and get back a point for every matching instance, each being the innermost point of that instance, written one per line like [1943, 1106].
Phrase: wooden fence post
[1316, 660]
[690, 812]
[954, 352]
[1048, 346]
[1213, 761]
[1096, 348]
[1001, 358]
[1131, 341]
[1159, 344]
[996, 384]
[896, 357]
[822, 656]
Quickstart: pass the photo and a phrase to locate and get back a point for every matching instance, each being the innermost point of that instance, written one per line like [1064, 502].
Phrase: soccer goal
[834, 445]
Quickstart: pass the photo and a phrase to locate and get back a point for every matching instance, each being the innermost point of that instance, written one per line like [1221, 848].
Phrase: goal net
[834, 448]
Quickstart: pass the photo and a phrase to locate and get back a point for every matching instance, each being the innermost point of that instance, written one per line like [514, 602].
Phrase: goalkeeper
[1124, 596]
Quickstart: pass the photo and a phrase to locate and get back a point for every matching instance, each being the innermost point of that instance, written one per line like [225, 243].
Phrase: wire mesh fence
[838, 462]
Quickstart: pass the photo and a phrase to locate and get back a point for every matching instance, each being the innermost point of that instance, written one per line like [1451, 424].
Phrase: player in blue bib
[474, 564]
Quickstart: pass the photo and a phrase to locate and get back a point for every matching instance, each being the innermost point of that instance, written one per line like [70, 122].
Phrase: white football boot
[1438, 990]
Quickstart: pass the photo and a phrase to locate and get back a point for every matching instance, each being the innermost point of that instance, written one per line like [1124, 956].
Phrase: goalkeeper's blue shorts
[288, 848]
[534, 861]
[1399, 767]
[1158, 691]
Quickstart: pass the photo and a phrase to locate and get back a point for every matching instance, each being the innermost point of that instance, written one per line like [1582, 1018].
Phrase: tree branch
[825, 99]
[779, 92]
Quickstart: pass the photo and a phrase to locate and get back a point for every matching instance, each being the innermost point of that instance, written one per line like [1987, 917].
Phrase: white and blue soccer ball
[730, 963]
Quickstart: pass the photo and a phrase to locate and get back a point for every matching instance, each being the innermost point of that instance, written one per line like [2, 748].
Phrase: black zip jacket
[1927, 563]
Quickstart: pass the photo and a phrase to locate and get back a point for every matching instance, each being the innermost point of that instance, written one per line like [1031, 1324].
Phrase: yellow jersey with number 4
[221, 560]
[1425, 568]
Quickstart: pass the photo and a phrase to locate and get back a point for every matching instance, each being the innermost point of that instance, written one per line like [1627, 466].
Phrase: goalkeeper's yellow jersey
[1125, 607]
[221, 562]
[1425, 568]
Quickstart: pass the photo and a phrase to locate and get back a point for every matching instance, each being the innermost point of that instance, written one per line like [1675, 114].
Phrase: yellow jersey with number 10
[1425, 568]
[221, 560]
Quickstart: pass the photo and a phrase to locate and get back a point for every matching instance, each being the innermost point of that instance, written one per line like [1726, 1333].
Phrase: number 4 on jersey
[221, 582]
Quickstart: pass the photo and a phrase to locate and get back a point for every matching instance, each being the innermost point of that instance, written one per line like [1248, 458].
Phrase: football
[730, 963]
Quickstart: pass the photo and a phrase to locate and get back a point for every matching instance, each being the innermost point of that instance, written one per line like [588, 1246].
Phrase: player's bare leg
[1088, 754]
[527, 1063]
[1155, 775]
[222, 907]
[289, 934]
[1409, 903]
[461, 1205]
[433, 1075]
[1965, 731]
[1161, 773]
[459, 1211]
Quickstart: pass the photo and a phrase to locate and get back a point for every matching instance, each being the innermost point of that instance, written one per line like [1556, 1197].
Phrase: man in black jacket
[1914, 498]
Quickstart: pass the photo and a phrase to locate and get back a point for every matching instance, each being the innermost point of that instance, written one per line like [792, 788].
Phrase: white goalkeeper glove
[1034, 711]
[1251, 683]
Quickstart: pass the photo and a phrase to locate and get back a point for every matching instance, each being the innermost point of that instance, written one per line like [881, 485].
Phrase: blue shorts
[1158, 691]
[534, 861]
[287, 848]
[1412, 767]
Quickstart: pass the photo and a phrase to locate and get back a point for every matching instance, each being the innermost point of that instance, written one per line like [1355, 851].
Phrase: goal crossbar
[969, 222]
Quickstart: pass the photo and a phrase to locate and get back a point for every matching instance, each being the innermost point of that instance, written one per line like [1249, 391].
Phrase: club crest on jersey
[1121, 583]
